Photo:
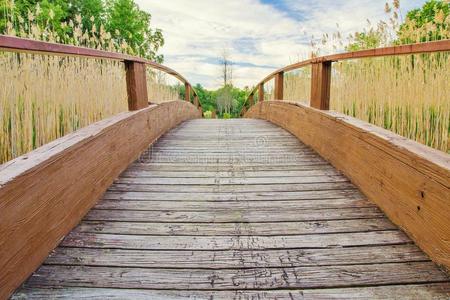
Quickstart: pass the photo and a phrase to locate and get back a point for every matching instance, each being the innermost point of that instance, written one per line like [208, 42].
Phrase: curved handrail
[321, 73]
[15, 44]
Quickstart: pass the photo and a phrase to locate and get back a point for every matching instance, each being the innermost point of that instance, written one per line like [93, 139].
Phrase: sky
[258, 35]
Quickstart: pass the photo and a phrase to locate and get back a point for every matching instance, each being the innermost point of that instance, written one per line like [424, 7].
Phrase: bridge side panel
[408, 181]
[45, 193]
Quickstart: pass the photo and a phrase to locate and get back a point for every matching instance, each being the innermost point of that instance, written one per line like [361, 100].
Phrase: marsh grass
[297, 85]
[409, 95]
[161, 87]
[46, 97]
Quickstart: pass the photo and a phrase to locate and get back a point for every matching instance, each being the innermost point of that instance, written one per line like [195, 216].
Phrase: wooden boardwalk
[223, 209]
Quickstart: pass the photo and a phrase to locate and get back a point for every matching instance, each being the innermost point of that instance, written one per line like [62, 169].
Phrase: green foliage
[429, 23]
[365, 40]
[128, 23]
[117, 25]
[207, 114]
[226, 116]
[209, 99]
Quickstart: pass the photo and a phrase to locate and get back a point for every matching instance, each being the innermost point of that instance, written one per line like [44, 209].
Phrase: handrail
[321, 71]
[135, 81]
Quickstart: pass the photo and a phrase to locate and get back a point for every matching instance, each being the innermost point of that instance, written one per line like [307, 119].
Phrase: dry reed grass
[45, 97]
[297, 85]
[161, 88]
[409, 95]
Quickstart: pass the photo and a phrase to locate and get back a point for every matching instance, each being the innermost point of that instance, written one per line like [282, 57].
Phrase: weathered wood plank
[437, 291]
[235, 259]
[230, 279]
[147, 242]
[240, 229]
[409, 181]
[143, 173]
[45, 193]
[319, 186]
[243, 196]
[227, 216]
[230, 205]
[216, 180]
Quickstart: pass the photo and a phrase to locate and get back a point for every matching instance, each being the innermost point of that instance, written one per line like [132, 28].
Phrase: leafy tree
[132, 25]
[107, 24]
[93, 12]
[429, 23]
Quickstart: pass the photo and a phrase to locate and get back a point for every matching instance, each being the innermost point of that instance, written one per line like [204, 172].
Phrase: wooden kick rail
[135, 66]
[322, 67]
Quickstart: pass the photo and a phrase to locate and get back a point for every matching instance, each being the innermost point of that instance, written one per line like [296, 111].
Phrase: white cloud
[259, 37]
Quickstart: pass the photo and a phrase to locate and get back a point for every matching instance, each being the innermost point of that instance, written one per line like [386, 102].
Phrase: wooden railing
[135, 66]
[46, 192]
[409, 181]
[322, 68]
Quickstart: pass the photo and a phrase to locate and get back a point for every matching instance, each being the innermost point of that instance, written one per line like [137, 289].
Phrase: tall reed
[409, 95]
[161, 88]
[45, 97]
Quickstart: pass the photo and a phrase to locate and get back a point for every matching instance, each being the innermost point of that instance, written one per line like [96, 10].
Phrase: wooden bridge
[290, 202]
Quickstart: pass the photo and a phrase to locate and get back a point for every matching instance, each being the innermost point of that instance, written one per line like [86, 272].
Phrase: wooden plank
[235, 259]
[230, 205]
[409, 181]
[321, 85]
[155, 242]
[181, 181]
[187, 92]
[319, 186]
[226, 216]
[230, 279]
[41, 201]
[279, 86]
[261, 92]
[243, 167]
[250, 196]
[438, 291]
[143, 173]
[238, 229]
[136, 85]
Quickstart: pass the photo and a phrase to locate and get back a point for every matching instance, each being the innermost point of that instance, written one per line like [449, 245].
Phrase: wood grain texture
[240, 279]
[45, 193]
[410, 182]
[438, 291]
[235, 259]
[136, 76]
[280, 222]
[321, 85]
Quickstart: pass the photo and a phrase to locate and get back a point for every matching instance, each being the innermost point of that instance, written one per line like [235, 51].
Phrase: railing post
[187, 93]
[279, 86]
[136, 85]
[261, 92]
[196, 101]
[321, 85]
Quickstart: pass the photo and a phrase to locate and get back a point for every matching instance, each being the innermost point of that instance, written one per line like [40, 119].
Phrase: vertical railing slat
[136, 85]
[321, 85]
[279, 86]
[261, 92]
[187, 94]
